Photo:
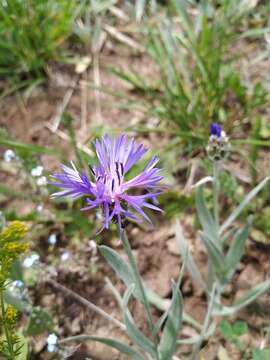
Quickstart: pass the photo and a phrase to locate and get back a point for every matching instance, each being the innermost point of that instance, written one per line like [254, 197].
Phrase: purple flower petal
[105, 186]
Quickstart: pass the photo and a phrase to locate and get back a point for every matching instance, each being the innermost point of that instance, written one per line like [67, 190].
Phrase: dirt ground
[155, 250]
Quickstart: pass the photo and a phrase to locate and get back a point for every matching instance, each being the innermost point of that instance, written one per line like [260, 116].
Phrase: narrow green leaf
[123, 271]
[206, 219]
[247, 299]
[123, 348]
[184, 251]
[134, 333]
[236, 251]
[25, 147]
[242, 205]
[156, 300]
[255, 32]
[21, 347]
[167, 346]
[121, 268]
[215, 255]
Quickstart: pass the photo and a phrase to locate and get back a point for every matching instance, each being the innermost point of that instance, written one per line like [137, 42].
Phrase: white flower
[40, 208]
[52, 340]
[65, 256]
[42, 181]
[9, 155]
[37, 171]
[30, 260]
[52, 239]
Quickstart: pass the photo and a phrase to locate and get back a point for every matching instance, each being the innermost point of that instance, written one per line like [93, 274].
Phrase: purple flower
[216, 129]
[105, 186]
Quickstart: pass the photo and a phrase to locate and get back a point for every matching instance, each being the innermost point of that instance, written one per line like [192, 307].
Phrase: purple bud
[216, 129]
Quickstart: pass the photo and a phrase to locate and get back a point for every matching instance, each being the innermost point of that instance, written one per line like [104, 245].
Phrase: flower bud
[218, 145]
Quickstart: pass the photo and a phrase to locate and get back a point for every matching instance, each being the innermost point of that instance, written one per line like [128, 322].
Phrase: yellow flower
[10, 314]
[15, 249]
[14, 232]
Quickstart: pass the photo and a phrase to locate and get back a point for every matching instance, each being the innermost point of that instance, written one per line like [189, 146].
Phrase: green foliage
[40, 321]
[172, 327]
[32, 34]
[232, 333]
[261, 354]
[175, 202]
[197, 80]
[93, 15]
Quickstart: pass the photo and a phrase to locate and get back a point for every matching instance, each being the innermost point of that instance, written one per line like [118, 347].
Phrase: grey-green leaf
[139, 9]
[242, 205]
[206, 219]
[123, 348]
[121, 268]
[236, 251]
[247, 299]
[215, 255]
[134, 333]
[184, 251]
[167, 346]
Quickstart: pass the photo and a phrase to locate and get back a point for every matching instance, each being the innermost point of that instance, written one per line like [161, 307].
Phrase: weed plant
[197, 52]
[32, 34]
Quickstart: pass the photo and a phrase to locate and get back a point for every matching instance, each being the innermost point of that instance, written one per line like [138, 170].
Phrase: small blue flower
[30, 260]
[52, 340]
[52, 239]
[18, 284]
[65, 256]
[9, 155]
[216, 129]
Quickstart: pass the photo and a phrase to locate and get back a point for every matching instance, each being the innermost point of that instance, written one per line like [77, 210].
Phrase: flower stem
[9, 342]
[139, 283]
[216, 191]
[206, 323]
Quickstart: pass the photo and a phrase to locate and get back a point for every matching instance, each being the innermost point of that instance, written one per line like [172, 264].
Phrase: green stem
[9, 342]
[216, 191]
[139, 283]
[206, 323]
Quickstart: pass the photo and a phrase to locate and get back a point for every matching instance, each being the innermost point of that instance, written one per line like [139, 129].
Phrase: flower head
[52, 341]
[105, 185]
[218, 145]
[9, 155]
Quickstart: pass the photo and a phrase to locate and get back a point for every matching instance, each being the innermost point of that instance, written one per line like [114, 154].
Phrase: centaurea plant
[105, 186]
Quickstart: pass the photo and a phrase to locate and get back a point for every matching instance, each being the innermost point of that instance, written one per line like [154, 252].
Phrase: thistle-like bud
[218, 145]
